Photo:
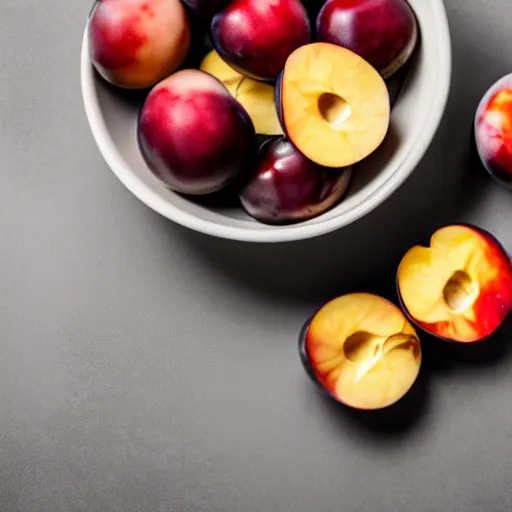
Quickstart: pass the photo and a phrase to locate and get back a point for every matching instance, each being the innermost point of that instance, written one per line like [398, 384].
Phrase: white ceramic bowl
[415, 119]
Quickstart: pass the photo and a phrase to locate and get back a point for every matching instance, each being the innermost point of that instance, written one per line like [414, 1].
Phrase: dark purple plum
[205, 9]
[193, 135]
[279, 99]
[285, 187]
[383, 32]
[256, 36]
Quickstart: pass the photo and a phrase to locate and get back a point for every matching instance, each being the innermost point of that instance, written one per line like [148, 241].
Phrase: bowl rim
[293, 232]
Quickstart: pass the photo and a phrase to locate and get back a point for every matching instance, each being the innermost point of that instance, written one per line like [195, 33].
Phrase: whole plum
[134, 44]
[193, 135]
[255, 37]
[285, 187]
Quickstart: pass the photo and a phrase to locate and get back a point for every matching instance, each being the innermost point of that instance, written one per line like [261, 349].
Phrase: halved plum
[362, 350]
[460, 287]
[333, 105]
[256, 97]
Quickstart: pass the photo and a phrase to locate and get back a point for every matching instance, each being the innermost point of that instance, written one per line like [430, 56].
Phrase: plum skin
[279, 99]
[133, 44]
[259, 46]
[392, 23]
[306, 363]
[195, 141]
[494, 147]
[285, 187]
[496, 244]
[205, 9]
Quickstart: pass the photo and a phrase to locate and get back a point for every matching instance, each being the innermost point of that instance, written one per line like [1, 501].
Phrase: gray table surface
[147, 368]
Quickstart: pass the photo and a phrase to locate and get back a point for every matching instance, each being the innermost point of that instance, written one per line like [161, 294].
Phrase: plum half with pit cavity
[333, 105]
[362, 350]
[459, 288]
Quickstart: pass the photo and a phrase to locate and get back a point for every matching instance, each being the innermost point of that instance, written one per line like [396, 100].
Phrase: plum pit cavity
[334, 109]
[460, 291]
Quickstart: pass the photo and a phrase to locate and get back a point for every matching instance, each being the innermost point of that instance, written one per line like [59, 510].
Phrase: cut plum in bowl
[256, 97]
[333, 105]
[459, 288]
[362, 350]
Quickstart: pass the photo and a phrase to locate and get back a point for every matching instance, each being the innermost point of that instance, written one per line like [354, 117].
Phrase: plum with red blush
[383, 32]
[193, 135]
[493, 130]
[133, 44]
[255, 37]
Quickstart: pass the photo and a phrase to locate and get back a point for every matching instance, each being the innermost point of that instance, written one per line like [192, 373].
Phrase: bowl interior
[415, 117]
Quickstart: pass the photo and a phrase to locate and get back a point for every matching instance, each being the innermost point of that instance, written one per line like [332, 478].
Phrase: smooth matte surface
[147, 368]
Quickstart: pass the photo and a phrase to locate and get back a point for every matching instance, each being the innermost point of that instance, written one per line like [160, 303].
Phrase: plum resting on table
[194, 136]
[256, 36]
[286, 187]
[493, 130]
[361, 349]
[136, 43]
[459, 288]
